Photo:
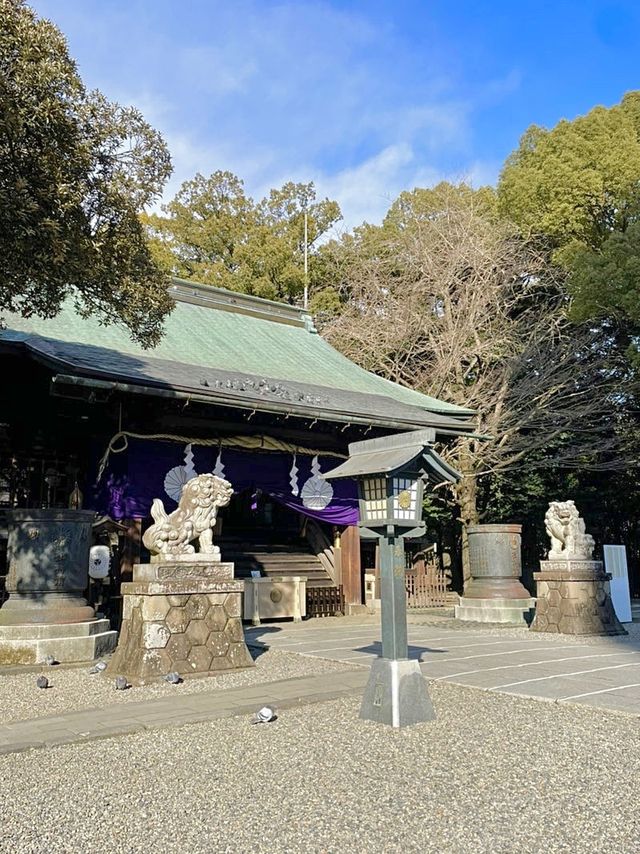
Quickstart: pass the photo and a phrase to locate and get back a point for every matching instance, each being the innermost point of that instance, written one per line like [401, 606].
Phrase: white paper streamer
[293, 477]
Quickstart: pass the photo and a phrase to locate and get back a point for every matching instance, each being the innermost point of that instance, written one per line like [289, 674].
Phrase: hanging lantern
[76, 498]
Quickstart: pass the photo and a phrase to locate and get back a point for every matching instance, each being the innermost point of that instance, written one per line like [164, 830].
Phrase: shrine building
[238, 385]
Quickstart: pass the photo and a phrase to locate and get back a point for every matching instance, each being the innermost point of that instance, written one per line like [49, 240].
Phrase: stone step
[73, 642]
[507, 611]
[36, 631]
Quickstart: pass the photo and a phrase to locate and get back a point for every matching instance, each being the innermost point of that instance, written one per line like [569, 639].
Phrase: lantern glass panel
[374, 492]
[405, 496]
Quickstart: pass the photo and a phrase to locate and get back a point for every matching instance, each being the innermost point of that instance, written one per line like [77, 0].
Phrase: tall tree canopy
[75, 171]
[578, 185]
[449, 299]
[214, 233]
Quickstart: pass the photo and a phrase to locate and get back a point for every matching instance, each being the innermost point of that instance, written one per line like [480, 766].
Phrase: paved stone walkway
[177, 710]
[604, 673]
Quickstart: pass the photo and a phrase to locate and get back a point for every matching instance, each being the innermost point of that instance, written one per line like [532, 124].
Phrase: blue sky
[364, 98]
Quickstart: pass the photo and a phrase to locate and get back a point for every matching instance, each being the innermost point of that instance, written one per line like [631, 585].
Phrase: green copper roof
[214, 328]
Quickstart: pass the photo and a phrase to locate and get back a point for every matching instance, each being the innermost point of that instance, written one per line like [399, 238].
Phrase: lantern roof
[389, 454]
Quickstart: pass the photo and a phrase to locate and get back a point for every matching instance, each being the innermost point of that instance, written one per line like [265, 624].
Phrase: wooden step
[270, 564]
[269, 558]
[272, 559]
[312, 574]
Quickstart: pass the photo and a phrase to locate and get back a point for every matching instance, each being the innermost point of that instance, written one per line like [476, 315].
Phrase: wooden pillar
[132, 545]
[350, 565]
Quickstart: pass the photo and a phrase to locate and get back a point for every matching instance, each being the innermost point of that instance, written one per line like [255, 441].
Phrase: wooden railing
[425, 581]
[322, 547]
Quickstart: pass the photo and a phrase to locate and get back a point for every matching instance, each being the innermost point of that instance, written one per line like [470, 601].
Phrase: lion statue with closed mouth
[171, 535]
[567, 531]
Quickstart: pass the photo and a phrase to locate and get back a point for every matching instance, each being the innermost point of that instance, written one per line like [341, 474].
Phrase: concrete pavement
[599, 672]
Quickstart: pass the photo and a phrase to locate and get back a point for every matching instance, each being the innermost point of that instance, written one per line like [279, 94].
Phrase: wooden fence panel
[325, 601]
[426, 590]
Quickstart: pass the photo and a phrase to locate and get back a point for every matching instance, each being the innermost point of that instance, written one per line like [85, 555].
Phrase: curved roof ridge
[227, 331]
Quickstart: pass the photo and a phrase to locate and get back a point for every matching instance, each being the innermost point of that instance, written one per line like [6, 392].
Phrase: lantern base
[396, 694]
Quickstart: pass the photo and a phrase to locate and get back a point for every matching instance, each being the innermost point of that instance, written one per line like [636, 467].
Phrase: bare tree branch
[457, 305]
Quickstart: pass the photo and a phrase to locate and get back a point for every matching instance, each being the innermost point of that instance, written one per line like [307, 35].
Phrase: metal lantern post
[391, 472]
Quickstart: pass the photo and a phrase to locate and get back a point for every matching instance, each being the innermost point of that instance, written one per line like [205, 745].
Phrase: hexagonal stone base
[574, 599]
[190, 625]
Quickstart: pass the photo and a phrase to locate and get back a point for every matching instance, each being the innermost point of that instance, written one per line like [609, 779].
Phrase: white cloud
[218, 74]
[285, 91]
[479, 173]
[366, 191]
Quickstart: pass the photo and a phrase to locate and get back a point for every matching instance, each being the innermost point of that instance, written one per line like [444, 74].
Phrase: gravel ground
[492, 775]
[75, 688]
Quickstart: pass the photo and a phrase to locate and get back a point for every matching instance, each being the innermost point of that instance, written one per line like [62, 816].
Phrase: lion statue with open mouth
[171, 535]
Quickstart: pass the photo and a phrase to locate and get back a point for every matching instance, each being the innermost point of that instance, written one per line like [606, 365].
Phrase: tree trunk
[467, 497]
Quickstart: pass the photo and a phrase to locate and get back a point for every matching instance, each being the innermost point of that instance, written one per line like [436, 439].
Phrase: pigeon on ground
[42, 682]
[121, 683]
[98, 667]
[50, 660]
[264, 716]
[173, 678]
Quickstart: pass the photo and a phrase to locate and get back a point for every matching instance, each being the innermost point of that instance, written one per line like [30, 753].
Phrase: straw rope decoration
[255, 443]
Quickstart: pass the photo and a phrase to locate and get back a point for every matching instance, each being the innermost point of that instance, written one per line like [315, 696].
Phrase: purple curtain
[136, 476]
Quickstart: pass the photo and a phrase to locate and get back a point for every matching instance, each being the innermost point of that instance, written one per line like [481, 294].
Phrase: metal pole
[396, 692]
[393, 598]
[306, 266]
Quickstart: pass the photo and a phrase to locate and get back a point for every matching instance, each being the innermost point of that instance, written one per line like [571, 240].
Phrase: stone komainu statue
[567, 531]
[195, 517]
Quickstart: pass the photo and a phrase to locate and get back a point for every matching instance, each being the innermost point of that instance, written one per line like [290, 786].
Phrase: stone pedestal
[396, 694]
[574, 599]
[73, 642]
[182, 616]
[495, 593]
[511, 612]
